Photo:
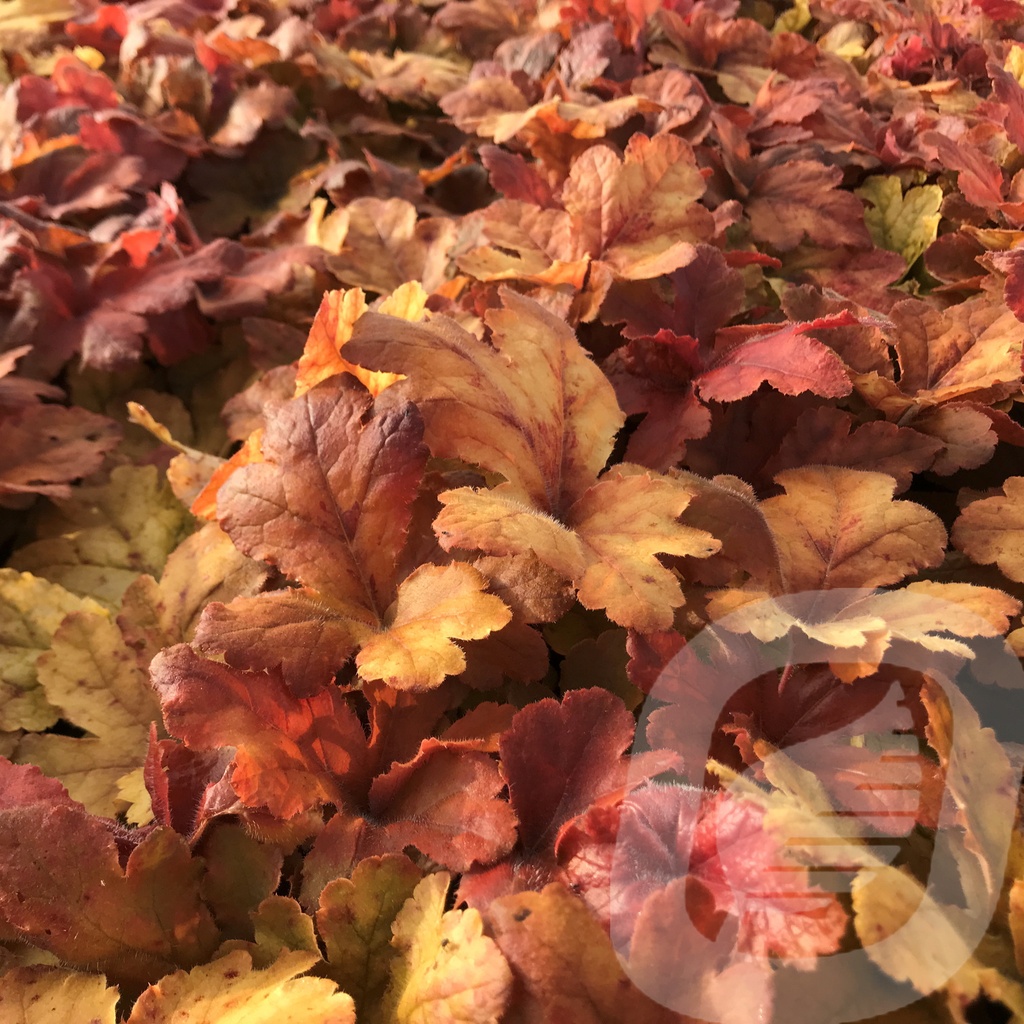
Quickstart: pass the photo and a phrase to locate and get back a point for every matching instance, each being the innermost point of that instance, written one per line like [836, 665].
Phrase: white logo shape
[845, 837]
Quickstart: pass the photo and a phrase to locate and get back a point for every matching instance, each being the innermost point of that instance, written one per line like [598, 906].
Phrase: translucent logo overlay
[845, 868]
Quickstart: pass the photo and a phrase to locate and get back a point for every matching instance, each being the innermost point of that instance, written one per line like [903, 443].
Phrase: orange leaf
[435, 605]
[205, 503]
[290, 752]
[992, 530]
[332, 328]
[837, 527]
[532, 407]
[529, 404]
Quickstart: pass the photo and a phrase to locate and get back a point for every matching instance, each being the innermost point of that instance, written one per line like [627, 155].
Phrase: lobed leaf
[230, 991]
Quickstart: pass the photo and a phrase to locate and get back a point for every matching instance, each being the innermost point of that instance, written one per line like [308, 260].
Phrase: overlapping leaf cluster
[492, 357]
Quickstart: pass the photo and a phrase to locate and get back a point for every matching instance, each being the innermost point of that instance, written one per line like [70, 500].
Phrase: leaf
[38, 995]
[331, 330]
[906, 223]
[46, 447]
[332, 327]
[19, 15]
[528, 404]
[798, 198]
[600, 661]
[922, 933]
[354, 922]
[108, 534]
[788, 360]
[386, 246]
[435, 606]
[128, 302]
[566, 962]
[640, 214]
[240, 873]
[445, 801]
[991, 530]
[609, 549]
[316, 507]
[279, 927]
[494, 404]
[971, 350]
[331, 506]
[548, 784]
[31, 610]
[62, 887]
[637, 217]
[447, 968]
[980, 777]
[827, 436]
[839, 527]
[890, 901]
[229, 991]
[857, 629]
[92, 677]
[289, 750]
[205, 567]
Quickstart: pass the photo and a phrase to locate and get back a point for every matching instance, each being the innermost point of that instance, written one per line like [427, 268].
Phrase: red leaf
[291, 754]
[46, 447]
[62, 886]
[787, 359]
[444, 802]
[549, 783]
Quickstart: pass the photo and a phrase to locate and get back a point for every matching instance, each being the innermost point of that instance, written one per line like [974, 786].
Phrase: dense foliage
[419, 420]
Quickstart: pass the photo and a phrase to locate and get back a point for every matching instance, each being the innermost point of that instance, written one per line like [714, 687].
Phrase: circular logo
[818, 861]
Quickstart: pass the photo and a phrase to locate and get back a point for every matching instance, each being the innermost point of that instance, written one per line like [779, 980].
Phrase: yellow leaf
[354, 922]
[795, 19]
[206, 567]
[279, 926]
[435, 606]
[41, 995]
[190, 471]
[904, 223]
[448, 970]
[408, 301]
[1014, 62]
[132, 792]
[92, 676]
[107, 535]
[326, 231]
[31, 609]
[24, 15]
[229, 991]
